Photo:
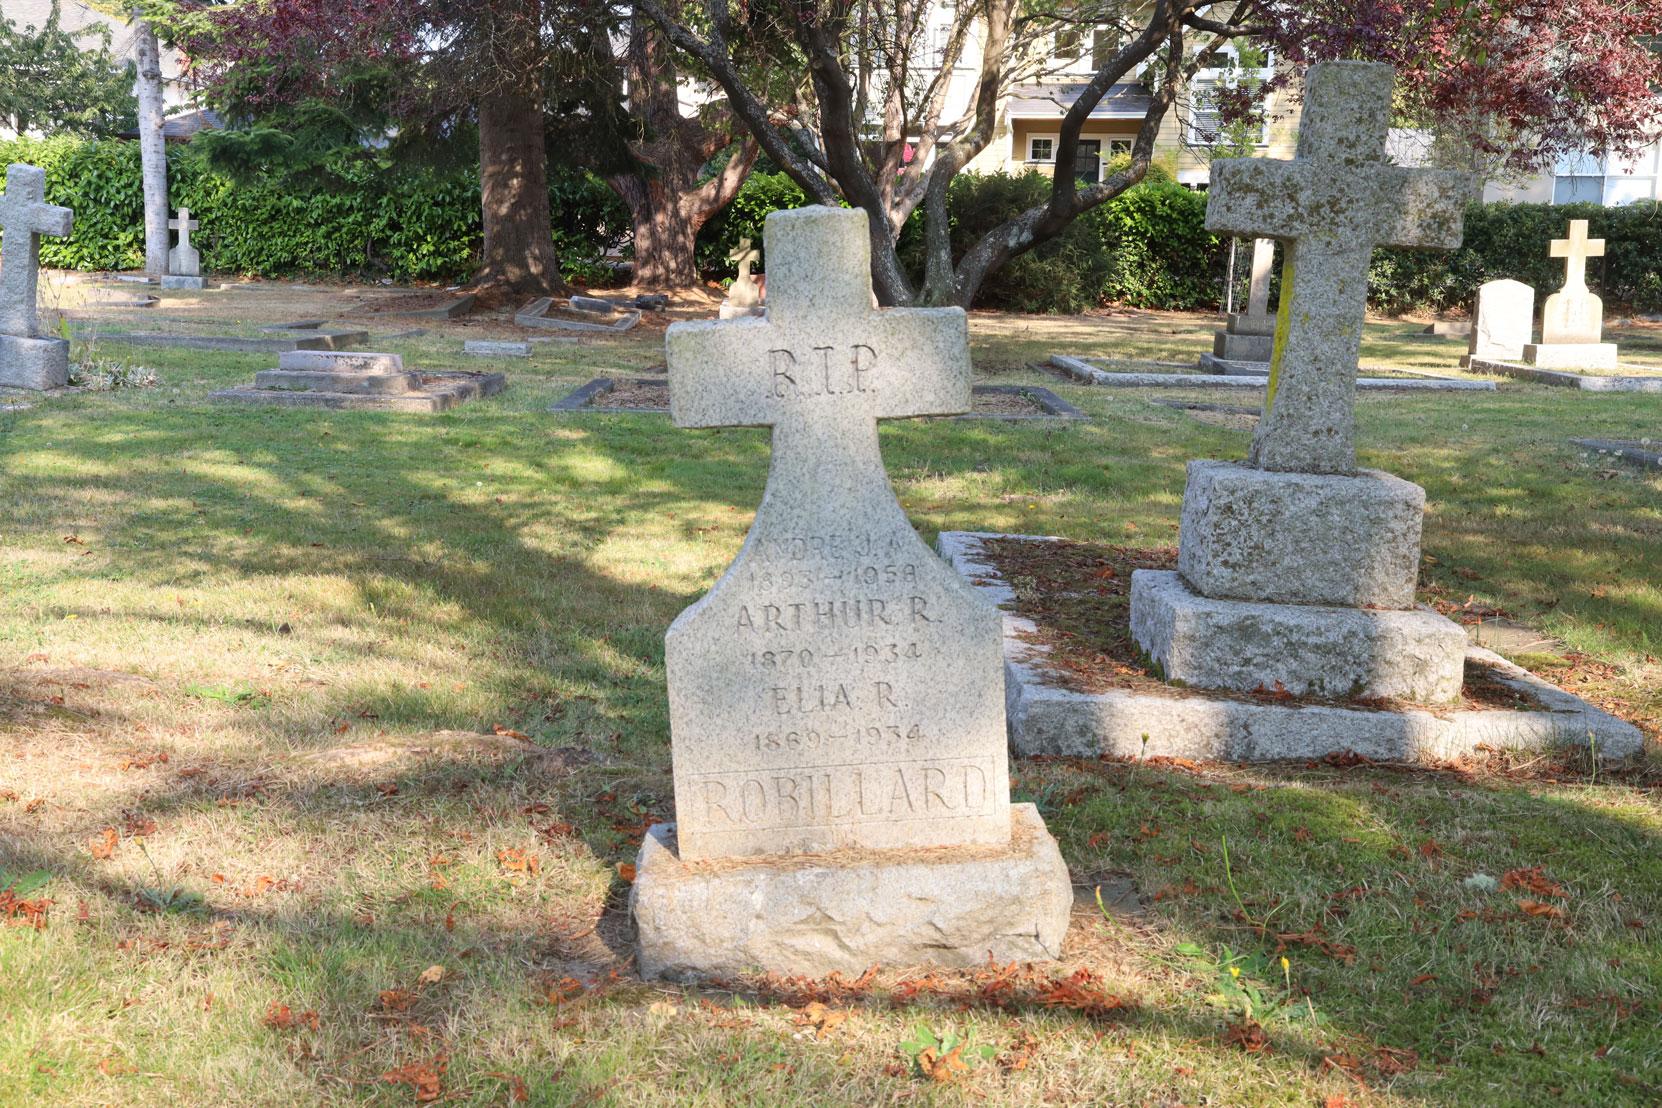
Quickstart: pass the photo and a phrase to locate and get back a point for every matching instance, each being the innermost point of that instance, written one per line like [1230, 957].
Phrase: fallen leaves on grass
[822, 1019]
[425, 1078]
[281, 1017]
[103, 845]
[141, 761]
[1541, 909]
[519, 860]
[1532, 880]
[1249, 1036]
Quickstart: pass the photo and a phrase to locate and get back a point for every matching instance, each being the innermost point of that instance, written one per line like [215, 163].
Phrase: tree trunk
[152, 146]
[513, 184]
[665, 238]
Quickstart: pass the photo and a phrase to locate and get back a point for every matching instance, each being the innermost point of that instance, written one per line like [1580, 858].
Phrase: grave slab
[953, 906]
[1301, 538]
[1564, 379]
[1220, 374]
[839, 688]
[175, 281]
[340, 361]
[535, 314]
[437, 393]
[455, 309]
[1643, 455]
[480, 348]
[1448, 329]
[323, 340]
[1046, 720]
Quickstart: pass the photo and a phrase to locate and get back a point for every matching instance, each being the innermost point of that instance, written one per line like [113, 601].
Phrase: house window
[1041, 148]
[1580, 180]
[1105, 44]
[942, 44]
[1206, 125]
[1068, 41]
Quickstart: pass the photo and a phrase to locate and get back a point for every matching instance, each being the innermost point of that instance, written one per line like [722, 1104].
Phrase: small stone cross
[1330, 206]
[24, 217]
[184, 260]
[1576, 250]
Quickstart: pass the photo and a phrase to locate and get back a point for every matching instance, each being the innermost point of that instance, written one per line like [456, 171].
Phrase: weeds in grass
[107, 375]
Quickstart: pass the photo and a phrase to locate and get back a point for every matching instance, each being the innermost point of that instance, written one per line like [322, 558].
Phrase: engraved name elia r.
[818, 373]
[844, 794]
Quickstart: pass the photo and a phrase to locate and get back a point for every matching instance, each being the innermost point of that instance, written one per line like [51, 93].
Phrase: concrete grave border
[1050, 721]
[582, 400]
[535, 314]
[453, 310]
[1567, 379]
[1630, 452]
[321, 340]
[442, 391]
[1239, 375]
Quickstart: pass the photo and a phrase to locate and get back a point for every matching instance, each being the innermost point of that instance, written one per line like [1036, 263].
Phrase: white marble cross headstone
[839, 686]
[24, 217]
[184, 260]
[744, 293]
[1330, 206]
[1258, 289]
[1573, 314]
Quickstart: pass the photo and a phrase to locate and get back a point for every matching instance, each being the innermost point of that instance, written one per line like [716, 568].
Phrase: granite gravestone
[1502, 321]
[840, 686]
[27, 361]
[1572, 323]
[184, 261]
[1297, 570]
[1250, 336]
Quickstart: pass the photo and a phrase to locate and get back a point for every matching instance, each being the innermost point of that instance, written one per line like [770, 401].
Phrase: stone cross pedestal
[184, 261]
[1502, 321]
[840, 689]
[743, 297]
[1572, 324]
[27, 361]
[1250, 336]
[1296, 571]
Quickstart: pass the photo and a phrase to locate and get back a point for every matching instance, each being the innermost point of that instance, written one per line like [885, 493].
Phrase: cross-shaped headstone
[184, 260]
[24, 217]
[1330, 206]
[744, 293]
[1576, 250]
[839, 685]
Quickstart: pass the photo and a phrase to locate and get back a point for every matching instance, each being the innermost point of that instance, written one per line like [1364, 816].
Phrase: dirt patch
[467, 745]
[1004, 403]
[1078, 597]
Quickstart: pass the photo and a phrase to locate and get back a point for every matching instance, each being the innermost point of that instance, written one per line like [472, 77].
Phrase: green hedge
[410, 226]
[1149, 247]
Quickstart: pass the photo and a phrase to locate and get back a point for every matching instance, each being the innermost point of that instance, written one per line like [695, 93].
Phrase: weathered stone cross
[184, 260]
[1330, 206]
[24, 217]
[1576, 250]
[744, 257]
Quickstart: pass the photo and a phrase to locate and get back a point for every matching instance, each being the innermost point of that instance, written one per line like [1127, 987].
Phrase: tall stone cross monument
[27, 360]
[184, 260]
[1297, 570]
[1330, 206]
[840, 686]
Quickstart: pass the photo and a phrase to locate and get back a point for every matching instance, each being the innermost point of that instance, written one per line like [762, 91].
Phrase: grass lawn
[255, 662]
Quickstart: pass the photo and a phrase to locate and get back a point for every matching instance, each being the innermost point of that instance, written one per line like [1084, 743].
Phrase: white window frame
[1054, 140]
[1194, 132]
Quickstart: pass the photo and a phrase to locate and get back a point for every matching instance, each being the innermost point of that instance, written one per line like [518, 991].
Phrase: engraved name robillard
[820, 371]
[870, 792]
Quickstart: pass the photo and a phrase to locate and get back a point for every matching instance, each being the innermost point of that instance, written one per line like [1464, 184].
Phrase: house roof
[184, 125]
[1052, 101]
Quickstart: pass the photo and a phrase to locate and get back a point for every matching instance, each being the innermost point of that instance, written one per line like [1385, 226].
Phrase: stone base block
[1242, 348]
[1239, 323]
[360, 384]
[479, 348]
[818, 913]
[1307, 649]
[175, 282]
[1300, 538]
[736, 311]
[436, 393]
[1579, 355]
[340, 361]
[30, 363]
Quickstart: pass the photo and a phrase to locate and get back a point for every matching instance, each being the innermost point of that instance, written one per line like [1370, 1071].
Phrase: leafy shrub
[761, 194]
[381, 222]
